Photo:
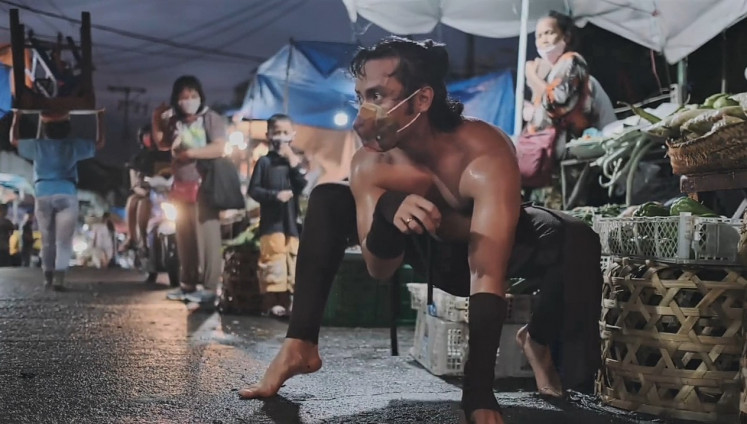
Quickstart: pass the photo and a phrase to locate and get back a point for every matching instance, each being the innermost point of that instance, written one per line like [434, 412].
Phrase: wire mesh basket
[678, 239]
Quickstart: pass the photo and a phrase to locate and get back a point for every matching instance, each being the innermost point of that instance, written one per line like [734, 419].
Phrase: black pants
[5, 258]
[543, 238]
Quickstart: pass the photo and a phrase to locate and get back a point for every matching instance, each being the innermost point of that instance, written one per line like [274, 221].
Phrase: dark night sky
[221, 42]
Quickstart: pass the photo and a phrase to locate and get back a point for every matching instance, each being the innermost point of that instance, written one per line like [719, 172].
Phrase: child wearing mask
[276, 183]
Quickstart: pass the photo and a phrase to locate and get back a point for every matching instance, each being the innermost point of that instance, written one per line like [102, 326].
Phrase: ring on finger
[408, 220]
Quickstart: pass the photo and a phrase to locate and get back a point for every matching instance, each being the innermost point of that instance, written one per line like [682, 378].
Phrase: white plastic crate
[441, 347]
[449, 307]
[678, 239]
[455, 308]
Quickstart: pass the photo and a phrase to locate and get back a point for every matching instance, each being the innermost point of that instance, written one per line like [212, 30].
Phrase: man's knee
[335, 200]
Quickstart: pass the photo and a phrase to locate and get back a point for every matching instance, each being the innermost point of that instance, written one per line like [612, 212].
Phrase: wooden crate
[673, 340]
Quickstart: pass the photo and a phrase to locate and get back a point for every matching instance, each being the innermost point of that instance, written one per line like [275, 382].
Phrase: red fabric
[185, 191]
[535, 152]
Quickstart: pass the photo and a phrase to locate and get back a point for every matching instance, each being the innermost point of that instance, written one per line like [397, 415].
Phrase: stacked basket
[672, 340]
[720, 150]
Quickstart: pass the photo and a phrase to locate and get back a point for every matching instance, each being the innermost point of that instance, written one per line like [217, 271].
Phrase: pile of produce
[247, 238]
[621, 158]
[695, 121]
[682, 204]
[587, 213]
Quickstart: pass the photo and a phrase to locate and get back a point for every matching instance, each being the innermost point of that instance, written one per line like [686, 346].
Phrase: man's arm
[493, 182]
[367, 194]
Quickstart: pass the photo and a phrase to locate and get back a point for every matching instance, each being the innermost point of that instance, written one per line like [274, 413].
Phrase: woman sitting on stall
[564, 95]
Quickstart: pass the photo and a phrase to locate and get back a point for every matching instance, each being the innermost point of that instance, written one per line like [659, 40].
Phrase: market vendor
[427, 174]
[562, 87]
[564, 95]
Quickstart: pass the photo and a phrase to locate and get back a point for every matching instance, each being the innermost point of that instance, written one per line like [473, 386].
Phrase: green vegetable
[686, 204]
[669, 127]
[642, 113]
[724, 102]
[711, 100]
[651, 209]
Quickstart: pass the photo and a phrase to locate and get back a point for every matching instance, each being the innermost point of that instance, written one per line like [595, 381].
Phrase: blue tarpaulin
[5, 96]
[314, 76]
[488, 97]
[317, 83]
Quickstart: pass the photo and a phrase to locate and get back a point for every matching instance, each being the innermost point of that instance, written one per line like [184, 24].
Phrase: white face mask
[552, 53]
[190, 106]
[277, 140]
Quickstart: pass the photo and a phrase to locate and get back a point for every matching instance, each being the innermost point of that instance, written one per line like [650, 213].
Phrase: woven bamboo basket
[673, 340]
[724, 149]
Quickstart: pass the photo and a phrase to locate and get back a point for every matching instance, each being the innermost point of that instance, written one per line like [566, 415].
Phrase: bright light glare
[235, 141]
[236, 138]
[169, 211]
[341, 119]
[80, 246]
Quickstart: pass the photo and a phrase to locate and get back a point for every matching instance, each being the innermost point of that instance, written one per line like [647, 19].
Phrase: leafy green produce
[651, 209]
[686, 204]
[711, 100]
[642, 113]
[724, 102]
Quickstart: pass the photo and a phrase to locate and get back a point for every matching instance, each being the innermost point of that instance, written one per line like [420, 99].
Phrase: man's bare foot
[483, 416]
[295, 357]
[540, 358]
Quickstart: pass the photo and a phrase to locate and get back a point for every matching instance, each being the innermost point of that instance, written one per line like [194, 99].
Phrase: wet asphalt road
[113, 350]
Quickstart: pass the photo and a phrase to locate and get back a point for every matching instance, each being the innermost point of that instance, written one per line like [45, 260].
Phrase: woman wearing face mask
[564, 95]
[192, 132]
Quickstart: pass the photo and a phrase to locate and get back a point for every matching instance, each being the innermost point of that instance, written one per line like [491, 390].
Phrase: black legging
[541, 238]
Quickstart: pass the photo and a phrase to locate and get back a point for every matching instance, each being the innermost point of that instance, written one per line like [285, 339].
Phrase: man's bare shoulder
[366, 162]
[483, 138]
[492, 158]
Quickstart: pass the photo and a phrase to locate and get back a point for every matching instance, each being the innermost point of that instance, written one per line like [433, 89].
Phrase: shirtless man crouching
[427, 171]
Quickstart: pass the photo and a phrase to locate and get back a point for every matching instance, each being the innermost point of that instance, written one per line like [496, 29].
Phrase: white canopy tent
[675, 28]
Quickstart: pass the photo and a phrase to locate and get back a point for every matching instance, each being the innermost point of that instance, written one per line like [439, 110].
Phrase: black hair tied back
[439, 58]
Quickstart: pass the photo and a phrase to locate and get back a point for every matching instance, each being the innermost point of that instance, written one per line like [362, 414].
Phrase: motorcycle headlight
[169, 211]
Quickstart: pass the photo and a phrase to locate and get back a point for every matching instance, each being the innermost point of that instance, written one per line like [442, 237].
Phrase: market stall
[673, 299]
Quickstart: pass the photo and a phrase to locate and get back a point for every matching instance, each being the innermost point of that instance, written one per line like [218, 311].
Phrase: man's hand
[416, 214]
[285, 195]
[140, 191]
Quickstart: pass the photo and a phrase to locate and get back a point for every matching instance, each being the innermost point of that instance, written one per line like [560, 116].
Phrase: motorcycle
[160, 254]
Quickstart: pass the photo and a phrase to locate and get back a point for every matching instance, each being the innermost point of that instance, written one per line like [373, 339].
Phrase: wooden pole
[18, 43]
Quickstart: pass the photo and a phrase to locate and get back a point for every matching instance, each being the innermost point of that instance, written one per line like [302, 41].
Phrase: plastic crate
[677, 239]
[455, 309]
[442, 346]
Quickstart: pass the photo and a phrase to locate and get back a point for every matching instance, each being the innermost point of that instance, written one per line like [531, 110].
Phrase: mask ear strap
[404, 100]
[409, 123]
